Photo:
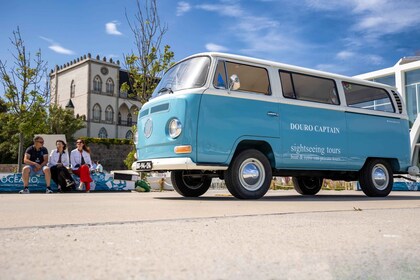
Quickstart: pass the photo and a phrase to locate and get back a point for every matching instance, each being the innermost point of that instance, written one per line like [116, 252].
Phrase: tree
[26, 91]
[147, 64]
[24, 111]
[63, 121]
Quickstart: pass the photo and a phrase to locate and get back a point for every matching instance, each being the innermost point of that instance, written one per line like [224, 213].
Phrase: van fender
[267, 145]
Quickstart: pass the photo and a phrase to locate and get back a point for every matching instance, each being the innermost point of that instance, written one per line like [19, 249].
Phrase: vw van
[245, 120]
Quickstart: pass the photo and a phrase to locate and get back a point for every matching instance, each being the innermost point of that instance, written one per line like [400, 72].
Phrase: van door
[227, 117]
[313, 126]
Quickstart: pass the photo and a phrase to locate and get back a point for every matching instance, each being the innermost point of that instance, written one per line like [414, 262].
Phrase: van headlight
[175, 128]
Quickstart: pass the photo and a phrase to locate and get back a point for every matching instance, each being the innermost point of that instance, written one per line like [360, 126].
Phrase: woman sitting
[58, 164]
[80, 163]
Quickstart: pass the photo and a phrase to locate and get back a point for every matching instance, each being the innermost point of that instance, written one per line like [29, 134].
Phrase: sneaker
[24, 191]
[59, 190]
[81, 186]
[48, 191]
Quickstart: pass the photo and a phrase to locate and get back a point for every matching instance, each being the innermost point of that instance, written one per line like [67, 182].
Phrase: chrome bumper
[168, 164]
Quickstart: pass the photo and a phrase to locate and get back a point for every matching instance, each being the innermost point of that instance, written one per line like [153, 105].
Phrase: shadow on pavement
[297, 198]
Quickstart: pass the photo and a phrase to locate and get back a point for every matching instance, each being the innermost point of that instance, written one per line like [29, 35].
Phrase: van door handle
[273, 114]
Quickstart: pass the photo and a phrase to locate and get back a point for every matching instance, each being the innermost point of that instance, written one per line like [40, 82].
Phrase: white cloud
[215, 48]
[182, 8]
[258, 34]
[57, 47]
[374, 18]
[111, 28]
[343, 55]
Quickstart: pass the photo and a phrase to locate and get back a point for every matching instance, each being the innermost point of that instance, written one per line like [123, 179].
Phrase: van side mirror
[235, 84]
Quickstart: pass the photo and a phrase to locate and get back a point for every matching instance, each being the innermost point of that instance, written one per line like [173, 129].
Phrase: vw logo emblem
[148, 128]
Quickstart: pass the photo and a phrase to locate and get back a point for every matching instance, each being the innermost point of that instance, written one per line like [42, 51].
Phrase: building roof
[409, 59]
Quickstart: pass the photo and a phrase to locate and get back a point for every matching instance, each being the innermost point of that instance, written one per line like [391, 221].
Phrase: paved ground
[334, 235]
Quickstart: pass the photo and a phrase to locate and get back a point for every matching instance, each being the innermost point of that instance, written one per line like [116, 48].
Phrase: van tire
[307, 185]
[189, 186]
[376, 178]
[249, 175]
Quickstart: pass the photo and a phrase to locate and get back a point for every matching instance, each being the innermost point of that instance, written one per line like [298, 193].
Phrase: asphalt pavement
[333, 235]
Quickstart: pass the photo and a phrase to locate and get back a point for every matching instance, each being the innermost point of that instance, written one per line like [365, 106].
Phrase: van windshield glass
[191, 73]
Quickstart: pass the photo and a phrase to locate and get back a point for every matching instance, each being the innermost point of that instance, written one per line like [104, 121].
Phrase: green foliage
[63, 121]
[130, 159]
[24, 110]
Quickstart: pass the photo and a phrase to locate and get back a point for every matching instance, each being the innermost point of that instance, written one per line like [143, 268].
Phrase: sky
[347, 37]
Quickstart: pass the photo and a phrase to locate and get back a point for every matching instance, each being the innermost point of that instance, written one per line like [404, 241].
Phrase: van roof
[291, 68]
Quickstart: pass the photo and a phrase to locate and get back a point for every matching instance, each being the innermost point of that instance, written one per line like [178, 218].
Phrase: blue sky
[346, 36]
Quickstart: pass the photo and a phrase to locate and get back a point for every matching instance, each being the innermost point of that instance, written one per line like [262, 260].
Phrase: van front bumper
[168, 164]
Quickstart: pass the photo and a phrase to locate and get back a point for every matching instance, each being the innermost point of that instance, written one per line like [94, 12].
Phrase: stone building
[92, 88]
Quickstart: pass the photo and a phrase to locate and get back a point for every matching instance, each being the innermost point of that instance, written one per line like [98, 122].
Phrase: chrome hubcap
[380, 177]
[252, 174]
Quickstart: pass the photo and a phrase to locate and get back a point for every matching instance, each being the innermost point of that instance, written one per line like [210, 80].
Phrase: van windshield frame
[187, 74]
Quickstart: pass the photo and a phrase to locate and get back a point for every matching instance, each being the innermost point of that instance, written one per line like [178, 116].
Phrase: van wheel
[190, 183]
[249, 175]
[307, 185]
[376, 178]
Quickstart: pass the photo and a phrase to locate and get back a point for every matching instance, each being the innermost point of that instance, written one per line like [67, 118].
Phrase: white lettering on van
[315, 128]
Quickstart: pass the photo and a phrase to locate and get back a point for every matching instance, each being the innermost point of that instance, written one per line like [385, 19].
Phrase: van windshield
[191, 73]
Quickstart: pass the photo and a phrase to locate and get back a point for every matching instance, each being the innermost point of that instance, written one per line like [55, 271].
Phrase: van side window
[219, 80]
[252, 78]
[309, 88]
[366, 97]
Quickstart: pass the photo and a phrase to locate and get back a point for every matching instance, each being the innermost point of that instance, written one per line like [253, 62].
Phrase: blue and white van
[246, 120]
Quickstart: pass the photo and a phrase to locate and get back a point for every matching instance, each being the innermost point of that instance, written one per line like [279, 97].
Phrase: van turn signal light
[183, 149]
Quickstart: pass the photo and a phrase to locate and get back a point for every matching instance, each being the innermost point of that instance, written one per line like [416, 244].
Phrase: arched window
[129, 135]
[72, 89]
[97, 84]
[119, 117]
[103, 133]
[110, 86]
[129, 119]
[109, 114]
[96, 113]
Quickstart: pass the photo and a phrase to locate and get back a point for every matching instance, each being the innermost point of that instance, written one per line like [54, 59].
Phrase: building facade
[92, 88]
[405, 76]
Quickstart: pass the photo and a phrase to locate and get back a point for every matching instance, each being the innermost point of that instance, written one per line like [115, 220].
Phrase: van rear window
[366, 97]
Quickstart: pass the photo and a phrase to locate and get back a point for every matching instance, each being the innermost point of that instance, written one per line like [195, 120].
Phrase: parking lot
[160, 235]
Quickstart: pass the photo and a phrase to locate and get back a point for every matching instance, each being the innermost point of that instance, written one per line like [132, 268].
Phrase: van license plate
[144, 166]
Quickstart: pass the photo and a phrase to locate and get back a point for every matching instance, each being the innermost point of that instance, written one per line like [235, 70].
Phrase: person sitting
[99, 167]
[36, 159]
[80, 164]
[58, 163]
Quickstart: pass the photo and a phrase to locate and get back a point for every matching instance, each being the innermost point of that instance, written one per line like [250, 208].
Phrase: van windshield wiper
[168, 89]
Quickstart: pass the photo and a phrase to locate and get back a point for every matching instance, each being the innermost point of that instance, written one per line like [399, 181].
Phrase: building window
[103, 133]
[129, 119]
[96, 113]
[110, 86]
[119, 118]
[412, 94]
[387, 80]
[109, 114]
[72, 89]
[129, 135]
[97, 84]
